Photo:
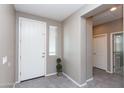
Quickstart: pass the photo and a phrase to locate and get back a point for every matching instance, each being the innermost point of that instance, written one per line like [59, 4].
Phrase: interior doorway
[32, 48]
[107, 20]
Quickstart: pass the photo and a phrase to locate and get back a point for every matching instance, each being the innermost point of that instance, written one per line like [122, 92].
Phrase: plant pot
[59, 74]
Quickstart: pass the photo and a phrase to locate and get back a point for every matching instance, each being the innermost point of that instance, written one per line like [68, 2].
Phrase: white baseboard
[84, 84]
[51, 74]
[108, 71]
[90, 79]
[15, 83]
[79, 85]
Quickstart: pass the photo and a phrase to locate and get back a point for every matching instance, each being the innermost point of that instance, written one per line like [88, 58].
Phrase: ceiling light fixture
[113, 8]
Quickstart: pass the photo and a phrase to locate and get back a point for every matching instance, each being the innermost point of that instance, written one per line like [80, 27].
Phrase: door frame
[111, 49]
[19, 48]
[106, 49]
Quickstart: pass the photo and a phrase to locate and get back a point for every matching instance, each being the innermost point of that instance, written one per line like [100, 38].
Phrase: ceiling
[57, 12]
[108, 16]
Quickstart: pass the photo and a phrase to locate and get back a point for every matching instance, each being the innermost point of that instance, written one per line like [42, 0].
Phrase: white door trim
[19, 48]
[111, 48]
[107, 48]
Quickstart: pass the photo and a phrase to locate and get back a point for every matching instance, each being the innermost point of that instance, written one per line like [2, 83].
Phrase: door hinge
[20, 57]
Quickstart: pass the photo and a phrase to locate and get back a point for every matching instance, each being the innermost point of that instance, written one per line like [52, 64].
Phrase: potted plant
[59, 67]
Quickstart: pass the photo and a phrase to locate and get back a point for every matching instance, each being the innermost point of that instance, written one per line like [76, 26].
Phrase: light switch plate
[4, 59]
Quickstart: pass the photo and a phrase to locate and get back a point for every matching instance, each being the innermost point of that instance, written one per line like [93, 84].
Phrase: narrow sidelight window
[52, 40]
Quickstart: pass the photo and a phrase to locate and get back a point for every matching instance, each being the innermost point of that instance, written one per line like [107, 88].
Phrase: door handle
[43, 53]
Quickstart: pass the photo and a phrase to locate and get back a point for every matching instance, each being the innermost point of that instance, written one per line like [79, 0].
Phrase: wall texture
[74, 46]
[108, 28]
[51, 62]
[7, 47]
[123, 37]
[89, 45]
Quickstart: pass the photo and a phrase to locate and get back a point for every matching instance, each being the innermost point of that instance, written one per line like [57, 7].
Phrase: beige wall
[74, 45]
[89, 35]
[51, 60]
[77, 41]
[108, 28]
[123, 37]
[7, 47]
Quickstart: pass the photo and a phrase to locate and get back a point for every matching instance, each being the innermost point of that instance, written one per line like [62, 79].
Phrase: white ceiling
[108, 16]
[57, 12]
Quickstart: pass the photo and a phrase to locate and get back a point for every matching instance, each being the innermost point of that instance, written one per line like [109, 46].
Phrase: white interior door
[100, 52]
[32, 48]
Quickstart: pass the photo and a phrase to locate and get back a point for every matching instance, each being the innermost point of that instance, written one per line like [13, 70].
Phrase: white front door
[32, 48]
[100, 52]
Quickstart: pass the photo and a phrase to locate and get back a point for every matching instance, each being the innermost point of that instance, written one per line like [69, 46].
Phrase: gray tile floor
[47, 82]
[101, 80]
